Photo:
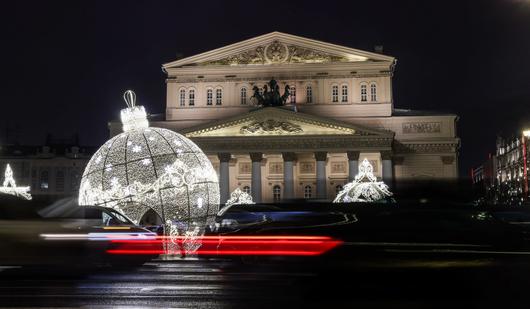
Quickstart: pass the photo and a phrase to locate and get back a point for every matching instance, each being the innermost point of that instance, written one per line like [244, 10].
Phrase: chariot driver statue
[271, 95]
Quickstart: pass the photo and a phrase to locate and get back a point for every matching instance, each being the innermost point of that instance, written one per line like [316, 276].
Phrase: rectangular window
[293, 95]
[59, 181]
[182, 99]
[209, 97]
[243, 96]
[191, 101]
[309, 94]
[44, 178]
[344, 93]
[373, 92]
[335, 94]
[363, 93]
[218, 96]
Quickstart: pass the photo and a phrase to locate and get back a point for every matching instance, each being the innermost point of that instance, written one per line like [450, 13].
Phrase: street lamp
[526, 134]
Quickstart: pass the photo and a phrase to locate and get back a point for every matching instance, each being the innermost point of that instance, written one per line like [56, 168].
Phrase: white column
[321, 156]
[224, 176]
[353, 164]
[256, 158]
[288, 178]
[388, 175]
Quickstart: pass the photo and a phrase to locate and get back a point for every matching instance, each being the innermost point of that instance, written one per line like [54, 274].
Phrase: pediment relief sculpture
[278, 52]
[270, 126]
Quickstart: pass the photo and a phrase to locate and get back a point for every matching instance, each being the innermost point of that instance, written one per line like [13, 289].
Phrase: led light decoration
[238, 197]
[147, 168]
[10, 186]
[364, 187]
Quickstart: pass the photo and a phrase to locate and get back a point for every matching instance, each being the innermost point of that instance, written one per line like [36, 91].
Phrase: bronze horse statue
[271, 97]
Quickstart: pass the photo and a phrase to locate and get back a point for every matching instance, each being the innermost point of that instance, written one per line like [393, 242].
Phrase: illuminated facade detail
[10, 187]
[147, 168]
[277, 52]
[238, 197]
[270, 126]
[364, 188]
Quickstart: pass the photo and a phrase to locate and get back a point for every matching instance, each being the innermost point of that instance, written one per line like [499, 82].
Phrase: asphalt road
[222, 283]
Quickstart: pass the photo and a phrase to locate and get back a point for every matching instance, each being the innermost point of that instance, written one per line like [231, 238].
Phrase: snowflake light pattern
[239, 197]
[10, 186]
[145, 168]
[364, 187]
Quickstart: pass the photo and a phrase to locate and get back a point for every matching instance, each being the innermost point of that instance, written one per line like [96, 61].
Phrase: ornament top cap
[130, 98]
[134, 116]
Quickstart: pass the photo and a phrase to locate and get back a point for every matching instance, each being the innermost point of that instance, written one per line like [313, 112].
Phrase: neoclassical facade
[339, 111]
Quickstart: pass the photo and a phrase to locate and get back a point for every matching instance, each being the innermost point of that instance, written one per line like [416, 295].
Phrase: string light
[364, 187]
[238, 197]
[10, 186]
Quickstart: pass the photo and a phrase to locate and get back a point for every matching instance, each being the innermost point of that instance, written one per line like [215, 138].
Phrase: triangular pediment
[277, 121]
[278, 48]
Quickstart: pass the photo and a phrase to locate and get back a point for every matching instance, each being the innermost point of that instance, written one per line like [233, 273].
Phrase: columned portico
[353, 164]
[288, 156]
[388, 175]
[224, 176]
[321, 157]
[255, 185]
[288, 174]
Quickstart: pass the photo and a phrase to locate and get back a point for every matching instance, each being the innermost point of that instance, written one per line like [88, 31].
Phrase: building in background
[503, 178]
[339, 111]
[52, 170]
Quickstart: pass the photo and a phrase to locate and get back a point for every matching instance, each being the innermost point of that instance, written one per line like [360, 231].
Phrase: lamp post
[526, 134]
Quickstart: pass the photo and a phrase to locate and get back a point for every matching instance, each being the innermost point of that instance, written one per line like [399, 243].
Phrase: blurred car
[373, 232]
[64, 234]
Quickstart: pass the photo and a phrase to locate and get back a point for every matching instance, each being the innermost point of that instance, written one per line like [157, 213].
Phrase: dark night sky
[65, 65]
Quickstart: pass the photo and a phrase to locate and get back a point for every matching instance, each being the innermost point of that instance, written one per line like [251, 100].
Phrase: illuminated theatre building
[339, 111]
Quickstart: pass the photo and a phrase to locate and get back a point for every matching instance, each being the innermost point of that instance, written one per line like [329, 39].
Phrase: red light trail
[230, 245]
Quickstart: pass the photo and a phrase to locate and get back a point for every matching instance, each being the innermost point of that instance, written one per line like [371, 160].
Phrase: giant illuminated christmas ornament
[147, 168]
[10, 187]
[364, 187]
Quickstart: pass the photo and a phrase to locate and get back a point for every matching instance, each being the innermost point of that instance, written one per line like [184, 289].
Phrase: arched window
[335, 94]
[218, 96]
[59, 181]
[338, 188]
[182, 98]
[364, 96]
[191, 97]
[276, 193]
[293, 94]
[44, 180]
[309, 94]
[243, 96]
[246, 189]
[209, 97]
[373, 92]
[344, 97]
[308, 191]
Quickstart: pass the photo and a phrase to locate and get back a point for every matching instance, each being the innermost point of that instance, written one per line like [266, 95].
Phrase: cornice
[281, 144]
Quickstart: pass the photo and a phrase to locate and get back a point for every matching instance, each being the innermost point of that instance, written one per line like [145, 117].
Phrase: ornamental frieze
[421, 127]
[270, 126]
[277, 52]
